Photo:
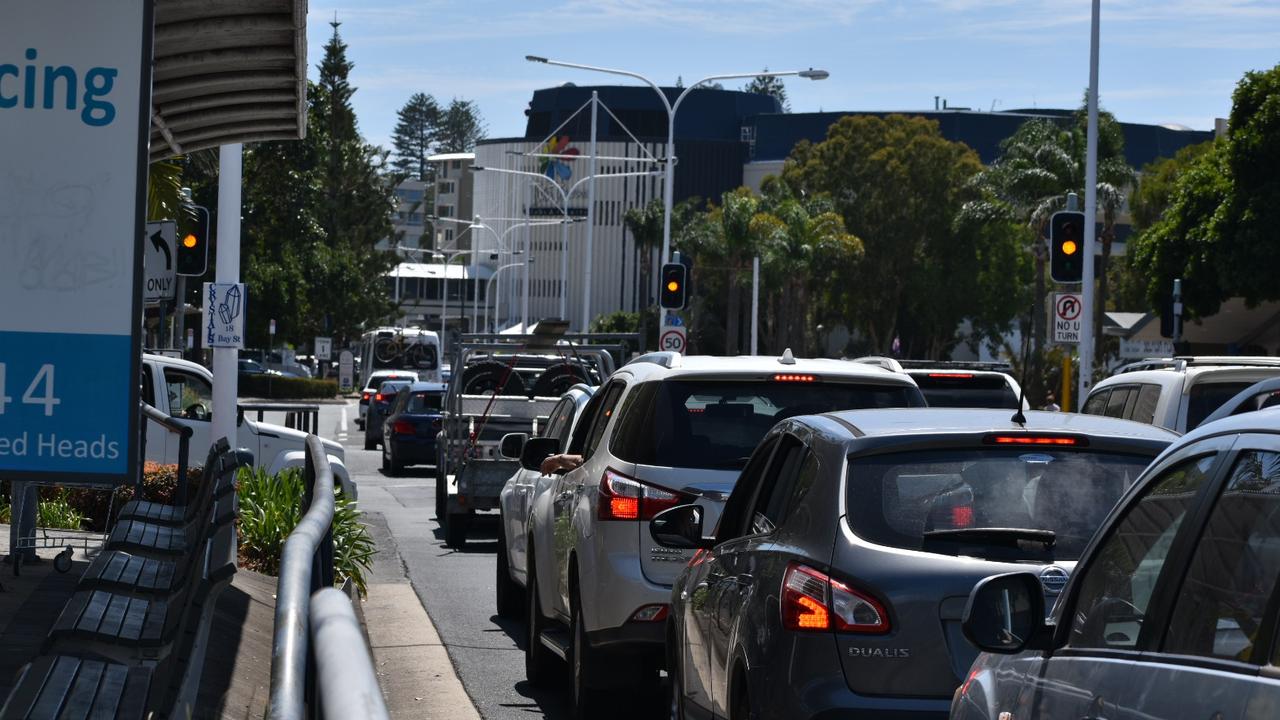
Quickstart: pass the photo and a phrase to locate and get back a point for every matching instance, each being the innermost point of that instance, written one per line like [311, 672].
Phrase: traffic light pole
[1090, 215]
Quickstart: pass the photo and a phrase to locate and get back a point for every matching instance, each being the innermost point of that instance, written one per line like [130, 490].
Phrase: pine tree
[769, 85]
[461, 127]
[415, 134]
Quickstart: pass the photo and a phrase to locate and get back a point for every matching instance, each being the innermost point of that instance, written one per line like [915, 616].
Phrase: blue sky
[1162, 61]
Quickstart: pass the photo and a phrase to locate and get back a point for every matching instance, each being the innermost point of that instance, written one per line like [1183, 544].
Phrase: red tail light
[1058, 440]
[623, 498]
[365, 396]
[962, 516]
[813, 601]
[378, 397]
[792, 377]
[953, 375]
[403, 427]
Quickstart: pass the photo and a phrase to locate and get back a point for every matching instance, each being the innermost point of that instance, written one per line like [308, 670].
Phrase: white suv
[1176, 393]
[665, 430]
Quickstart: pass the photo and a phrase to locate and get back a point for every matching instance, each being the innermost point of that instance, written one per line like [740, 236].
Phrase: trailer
[504, 384]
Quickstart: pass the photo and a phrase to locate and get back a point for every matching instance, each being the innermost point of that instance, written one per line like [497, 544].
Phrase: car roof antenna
[1018, 416]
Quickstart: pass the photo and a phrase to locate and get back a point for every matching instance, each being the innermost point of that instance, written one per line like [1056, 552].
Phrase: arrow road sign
[159, 277]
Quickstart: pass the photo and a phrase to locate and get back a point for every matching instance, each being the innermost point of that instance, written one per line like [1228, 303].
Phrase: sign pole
[225, 359]
[1090, 211]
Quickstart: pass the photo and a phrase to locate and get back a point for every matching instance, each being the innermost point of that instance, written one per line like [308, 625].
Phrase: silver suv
[665, 430]
[1176, 393]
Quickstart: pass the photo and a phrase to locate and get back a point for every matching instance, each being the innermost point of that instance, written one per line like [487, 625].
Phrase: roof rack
[1003, 367]
[1182, 362]
[881, 361]
[664, 358]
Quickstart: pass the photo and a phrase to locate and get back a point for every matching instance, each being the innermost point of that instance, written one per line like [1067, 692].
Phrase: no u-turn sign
[1067, 309]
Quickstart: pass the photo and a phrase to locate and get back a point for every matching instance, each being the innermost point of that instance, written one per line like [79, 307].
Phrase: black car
[409, 432]
[379, 407]
[836, 581]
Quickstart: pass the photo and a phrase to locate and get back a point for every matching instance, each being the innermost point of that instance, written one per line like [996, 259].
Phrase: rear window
[716, 424]
[425, 401]
[900, 499]
[965, 390]
[376, 379]
[1207, 397]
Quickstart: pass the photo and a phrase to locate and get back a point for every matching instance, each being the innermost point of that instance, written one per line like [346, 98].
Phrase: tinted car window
[1144, 409]
[1233, 572]
[603, 415]
[425, 401]
[558, 421]
[633, 438]
[1204, 398]
[1116, 403]
[965, 390]
[899, 499]
[775, 488]
[738, 508]
[1117, 585]
[1096, 403]
[715, 424]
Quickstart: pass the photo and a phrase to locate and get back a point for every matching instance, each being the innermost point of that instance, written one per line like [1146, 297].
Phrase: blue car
[409, 432]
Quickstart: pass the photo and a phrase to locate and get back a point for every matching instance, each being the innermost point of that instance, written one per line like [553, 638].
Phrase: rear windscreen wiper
[1022, 539]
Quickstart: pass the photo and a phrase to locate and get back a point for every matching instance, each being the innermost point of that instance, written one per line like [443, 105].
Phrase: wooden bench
[218, 476]
[123, 645]
[60, 686]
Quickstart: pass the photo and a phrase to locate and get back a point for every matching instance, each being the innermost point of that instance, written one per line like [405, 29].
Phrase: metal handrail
[345, 679]
[184, 441]
[306, 565]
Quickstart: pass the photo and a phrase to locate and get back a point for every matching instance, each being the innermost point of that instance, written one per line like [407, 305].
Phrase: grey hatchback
[836, 580]
[1174, 609]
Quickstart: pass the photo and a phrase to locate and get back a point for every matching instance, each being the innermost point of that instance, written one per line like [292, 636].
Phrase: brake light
[812, 600]
[403, 427]
[790, 377]
[962, 516]
[378, 397]
[1058, 440]
[954, 375]
[624, 498]
[365, 396]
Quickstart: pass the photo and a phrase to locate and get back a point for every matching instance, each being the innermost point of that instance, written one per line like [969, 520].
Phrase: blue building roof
[704, 114]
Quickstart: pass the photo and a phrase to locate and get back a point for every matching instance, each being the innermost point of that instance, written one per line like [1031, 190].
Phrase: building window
[444, 211]
[448, 237]
[457, 164]
[446, 187]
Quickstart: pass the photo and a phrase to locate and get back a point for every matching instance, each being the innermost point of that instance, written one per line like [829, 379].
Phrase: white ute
[184, 391]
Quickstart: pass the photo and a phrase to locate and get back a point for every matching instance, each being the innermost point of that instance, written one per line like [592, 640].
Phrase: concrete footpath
[414, 670]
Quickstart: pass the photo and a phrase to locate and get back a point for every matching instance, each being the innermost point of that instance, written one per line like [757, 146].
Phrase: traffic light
[193, 245]
[673, 286]
[1066, 247]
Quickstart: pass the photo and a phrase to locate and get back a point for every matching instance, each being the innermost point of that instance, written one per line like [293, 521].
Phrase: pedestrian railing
[314, 624]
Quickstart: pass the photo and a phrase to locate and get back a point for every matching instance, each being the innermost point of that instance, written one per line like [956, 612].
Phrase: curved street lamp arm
[612, 71]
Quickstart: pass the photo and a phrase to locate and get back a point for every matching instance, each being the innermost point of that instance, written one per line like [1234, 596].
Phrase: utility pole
[1090, 212]
[591, 218]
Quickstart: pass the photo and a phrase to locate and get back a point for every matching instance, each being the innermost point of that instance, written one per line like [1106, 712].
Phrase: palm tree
[804, 245]
[645, 224]
[164, 191]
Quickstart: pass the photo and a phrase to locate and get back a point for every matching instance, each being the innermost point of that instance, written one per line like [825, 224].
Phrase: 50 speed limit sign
[672, 339]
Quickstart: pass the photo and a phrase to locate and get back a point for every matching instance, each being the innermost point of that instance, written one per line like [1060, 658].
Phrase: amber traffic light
[1066, 247]
[193, 246]
[673, 286]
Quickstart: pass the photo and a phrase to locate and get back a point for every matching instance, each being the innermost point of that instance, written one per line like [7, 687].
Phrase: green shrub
[274, 387]
[270, 508]
[53, 512]
[159, 484]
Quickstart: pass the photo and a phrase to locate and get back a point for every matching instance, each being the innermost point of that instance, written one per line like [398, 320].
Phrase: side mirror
[680, 527]
[1005, 614]
[536, 450]
[512, 444]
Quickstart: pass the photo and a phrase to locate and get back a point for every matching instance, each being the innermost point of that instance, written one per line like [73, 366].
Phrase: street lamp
[564, 209]
[501, 239]
[671, 108]
[488, 291]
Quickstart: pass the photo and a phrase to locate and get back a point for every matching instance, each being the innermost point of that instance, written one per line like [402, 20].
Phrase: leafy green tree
[461, 127]
[806, 249]
[771, 86]
[417, 126]
[898, 184]
[1218, 231]
[1158, 185]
